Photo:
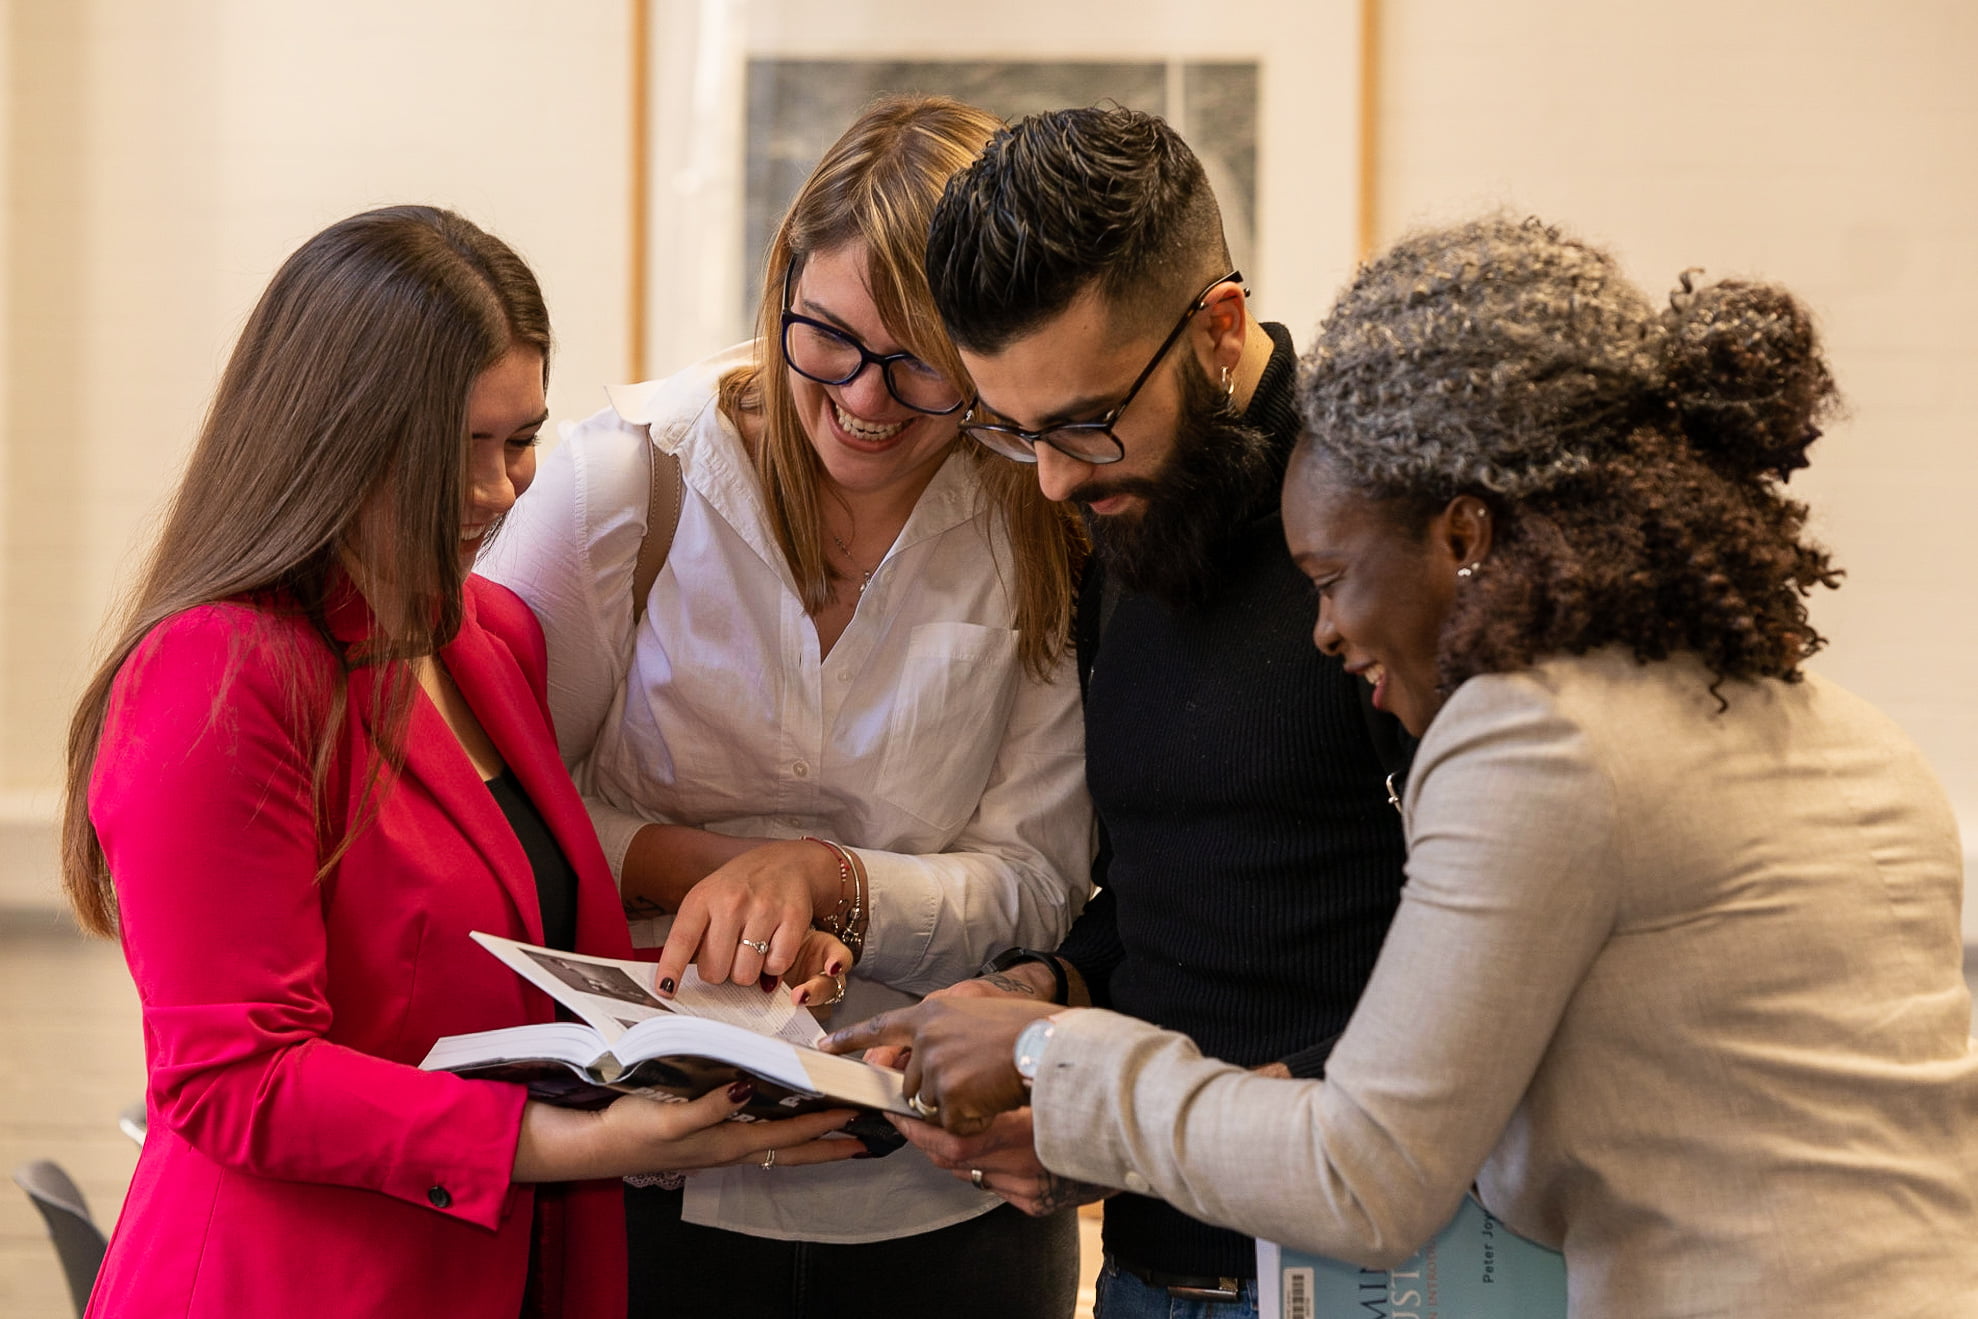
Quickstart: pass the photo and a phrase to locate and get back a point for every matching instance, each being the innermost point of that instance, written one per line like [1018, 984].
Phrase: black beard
[1209, 486]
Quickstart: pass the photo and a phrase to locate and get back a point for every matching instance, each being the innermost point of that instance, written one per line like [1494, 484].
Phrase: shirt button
[438, 1197]
[800, 769]
[1137, 1184]
[844, 675]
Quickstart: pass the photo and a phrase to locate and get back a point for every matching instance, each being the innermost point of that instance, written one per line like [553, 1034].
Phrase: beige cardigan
[1680, 990]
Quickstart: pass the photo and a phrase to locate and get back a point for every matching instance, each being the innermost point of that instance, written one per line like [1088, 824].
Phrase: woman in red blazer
[320, 754]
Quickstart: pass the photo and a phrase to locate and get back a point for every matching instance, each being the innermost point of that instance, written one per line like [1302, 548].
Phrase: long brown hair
[878, 185]
[344, 404]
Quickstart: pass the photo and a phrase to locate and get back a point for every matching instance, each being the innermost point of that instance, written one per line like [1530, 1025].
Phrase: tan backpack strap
[662, 520]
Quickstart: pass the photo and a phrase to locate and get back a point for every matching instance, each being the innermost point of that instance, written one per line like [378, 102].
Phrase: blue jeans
[1123, 1296]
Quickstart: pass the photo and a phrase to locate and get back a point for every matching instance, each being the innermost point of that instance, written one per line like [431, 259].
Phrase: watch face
[1030, 1047]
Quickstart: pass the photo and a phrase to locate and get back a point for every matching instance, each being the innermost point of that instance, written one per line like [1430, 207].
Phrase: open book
[1475, 1268]
[628, 1040]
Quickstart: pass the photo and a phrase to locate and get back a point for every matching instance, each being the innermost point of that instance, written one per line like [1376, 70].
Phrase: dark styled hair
[877, 186]
[1063, 200]
[341, 417]
[1632, 460]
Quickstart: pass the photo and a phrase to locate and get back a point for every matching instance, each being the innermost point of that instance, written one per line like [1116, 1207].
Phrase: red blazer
[298, 1162]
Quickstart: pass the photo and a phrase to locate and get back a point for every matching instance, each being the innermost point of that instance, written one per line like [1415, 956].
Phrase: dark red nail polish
[666, 984]
[836, 968]
[768, 984]
[803, 997]
[739, 1092]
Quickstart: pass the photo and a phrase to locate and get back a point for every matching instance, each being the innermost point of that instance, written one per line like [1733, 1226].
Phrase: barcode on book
[1298, 1294]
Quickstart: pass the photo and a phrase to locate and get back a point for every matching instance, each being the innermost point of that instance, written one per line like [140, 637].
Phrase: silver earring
[1229, 385]
[1469, 569]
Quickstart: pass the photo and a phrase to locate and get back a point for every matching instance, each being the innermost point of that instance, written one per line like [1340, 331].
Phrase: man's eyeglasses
[829, 356]
[1087, 441]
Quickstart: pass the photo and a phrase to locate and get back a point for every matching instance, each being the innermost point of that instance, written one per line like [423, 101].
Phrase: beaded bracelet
[853, 935]
[844, 923]
[844, 872]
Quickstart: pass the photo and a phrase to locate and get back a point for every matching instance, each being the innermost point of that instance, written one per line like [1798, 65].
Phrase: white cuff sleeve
[616, 830]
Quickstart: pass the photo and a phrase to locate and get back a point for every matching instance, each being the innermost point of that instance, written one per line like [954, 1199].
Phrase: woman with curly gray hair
[1676, 977]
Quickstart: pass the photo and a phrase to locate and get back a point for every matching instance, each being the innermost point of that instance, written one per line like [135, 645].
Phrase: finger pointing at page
[962, 1068]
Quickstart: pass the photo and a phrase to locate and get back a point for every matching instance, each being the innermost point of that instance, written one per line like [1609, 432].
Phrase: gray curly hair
[1503, 356]
[1632, 459]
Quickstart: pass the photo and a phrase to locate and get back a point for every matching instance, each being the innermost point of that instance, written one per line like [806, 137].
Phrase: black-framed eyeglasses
[1087, 441]
[826, 354]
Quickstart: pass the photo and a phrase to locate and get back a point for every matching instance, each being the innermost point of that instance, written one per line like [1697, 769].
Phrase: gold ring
[759, 946]
[839, 997]
[975, 1178]
[927, 1112]
[769, 1159]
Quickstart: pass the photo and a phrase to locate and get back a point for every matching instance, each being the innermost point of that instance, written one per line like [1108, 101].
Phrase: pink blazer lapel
[437, 761]
[495, 684]
[493, 681]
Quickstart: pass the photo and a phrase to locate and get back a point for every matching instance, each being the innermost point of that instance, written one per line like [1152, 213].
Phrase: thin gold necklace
[865, 574]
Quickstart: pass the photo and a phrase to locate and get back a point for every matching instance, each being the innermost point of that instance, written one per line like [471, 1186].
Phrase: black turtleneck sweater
[1251, 861]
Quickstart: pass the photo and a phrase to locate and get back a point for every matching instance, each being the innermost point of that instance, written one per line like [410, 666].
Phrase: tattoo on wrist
[1062, 1193]
[1009, 984]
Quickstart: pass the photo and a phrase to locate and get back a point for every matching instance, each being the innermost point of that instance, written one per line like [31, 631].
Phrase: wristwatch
[1029, 1050]
[1009, 957]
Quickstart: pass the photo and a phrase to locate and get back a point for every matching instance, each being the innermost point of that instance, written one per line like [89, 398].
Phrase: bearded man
[1250, 859]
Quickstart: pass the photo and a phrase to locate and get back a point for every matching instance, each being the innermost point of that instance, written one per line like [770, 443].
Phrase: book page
[632, 1038]
[796, 1068]
[748, 1007]
[856, 1081]
[676, 1035]
[565, 1041]
[612, 995]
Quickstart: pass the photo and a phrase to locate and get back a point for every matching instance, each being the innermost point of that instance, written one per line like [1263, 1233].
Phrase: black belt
[1188, 1287]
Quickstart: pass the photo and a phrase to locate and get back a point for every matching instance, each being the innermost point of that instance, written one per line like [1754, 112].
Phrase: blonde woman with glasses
[839, 738]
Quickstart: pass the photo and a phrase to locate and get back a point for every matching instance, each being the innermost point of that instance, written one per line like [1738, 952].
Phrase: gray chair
[79, 1243]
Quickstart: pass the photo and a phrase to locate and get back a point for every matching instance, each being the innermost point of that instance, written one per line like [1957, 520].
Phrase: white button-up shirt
[920, 740]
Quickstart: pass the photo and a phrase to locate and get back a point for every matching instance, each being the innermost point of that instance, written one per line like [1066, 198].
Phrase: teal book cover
[1475, 1268]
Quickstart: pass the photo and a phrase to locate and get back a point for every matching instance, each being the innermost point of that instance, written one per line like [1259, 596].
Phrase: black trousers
[1001, 1265]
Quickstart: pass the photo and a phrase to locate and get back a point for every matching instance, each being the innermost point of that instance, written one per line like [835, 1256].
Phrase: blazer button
[439, 1197]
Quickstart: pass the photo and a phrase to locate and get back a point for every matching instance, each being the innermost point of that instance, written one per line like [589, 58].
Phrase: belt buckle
[1226, 1289]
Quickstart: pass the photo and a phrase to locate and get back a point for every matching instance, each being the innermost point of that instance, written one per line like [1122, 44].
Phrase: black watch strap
[1009, 957]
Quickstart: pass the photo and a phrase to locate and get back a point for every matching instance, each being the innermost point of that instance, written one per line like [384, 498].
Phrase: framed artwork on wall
[798, 107]
[745, 95]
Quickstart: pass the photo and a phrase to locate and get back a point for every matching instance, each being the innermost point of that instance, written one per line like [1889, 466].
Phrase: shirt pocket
[949, 713]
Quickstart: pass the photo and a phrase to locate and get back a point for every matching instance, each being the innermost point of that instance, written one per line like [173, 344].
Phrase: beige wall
[1832, 147]
[159, 160]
